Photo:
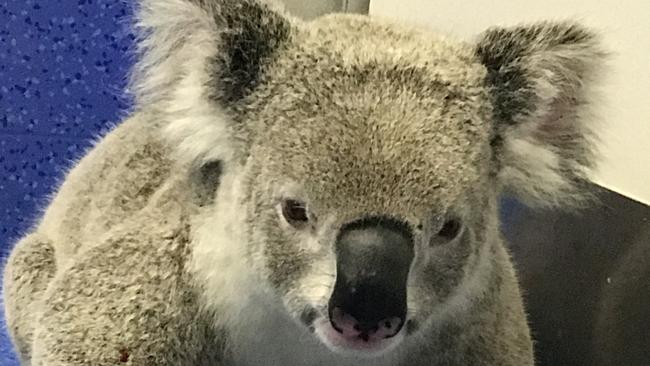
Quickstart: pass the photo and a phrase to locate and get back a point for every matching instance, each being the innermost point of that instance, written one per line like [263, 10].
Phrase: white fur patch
[219, 259]
[177, 40]
[171, 33]
[534, 171]
[196, 128]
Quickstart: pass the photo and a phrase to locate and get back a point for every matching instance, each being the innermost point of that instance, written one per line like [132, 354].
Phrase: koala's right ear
[197, 59]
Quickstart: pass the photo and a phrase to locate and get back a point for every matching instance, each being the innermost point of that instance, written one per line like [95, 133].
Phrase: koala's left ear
[540, 78]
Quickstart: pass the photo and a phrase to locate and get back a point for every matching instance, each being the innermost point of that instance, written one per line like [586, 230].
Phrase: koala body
[291, 193]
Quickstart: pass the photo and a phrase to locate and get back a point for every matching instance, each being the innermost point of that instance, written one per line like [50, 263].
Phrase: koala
[307, 193]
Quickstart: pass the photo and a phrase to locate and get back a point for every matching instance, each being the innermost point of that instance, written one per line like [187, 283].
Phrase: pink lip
[352, 343]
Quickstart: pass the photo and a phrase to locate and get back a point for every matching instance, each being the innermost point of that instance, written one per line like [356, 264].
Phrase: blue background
[63, 67]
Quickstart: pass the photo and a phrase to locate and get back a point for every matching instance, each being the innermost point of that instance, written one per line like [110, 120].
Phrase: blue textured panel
[63, 67]
[30, 168]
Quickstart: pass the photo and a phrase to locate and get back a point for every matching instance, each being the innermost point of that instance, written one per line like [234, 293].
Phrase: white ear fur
[174, 35]
[542, 80]
[177, 72]
[177, 38]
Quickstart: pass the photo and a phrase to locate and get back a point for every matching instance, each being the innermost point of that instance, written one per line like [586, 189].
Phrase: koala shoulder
[114, 180]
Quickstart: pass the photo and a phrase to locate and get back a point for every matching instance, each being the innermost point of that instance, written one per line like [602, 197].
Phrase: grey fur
[254, 33]
[164, 245]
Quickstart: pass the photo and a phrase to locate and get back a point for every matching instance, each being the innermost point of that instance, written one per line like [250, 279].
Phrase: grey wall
[309, 9]
[586, 280]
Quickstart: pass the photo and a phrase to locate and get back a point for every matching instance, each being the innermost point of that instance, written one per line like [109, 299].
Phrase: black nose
[373, 260]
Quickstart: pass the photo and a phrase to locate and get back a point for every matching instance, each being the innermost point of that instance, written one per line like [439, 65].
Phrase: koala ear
[252, 31]
[179, 36]
[541, 79]
[197, 60]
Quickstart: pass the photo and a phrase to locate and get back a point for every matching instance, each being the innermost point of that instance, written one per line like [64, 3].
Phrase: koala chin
[307, 193]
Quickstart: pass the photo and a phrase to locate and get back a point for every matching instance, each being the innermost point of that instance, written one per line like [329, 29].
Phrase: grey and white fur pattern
[170, 244]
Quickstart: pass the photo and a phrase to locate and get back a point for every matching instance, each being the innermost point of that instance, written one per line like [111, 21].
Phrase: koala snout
[373, 260]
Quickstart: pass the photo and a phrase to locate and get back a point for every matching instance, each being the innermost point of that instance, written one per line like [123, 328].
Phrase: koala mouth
[364, 331]
[341, 333]
[346, 338]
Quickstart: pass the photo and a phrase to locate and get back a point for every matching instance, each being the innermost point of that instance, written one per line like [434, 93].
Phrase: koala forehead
[374, 117]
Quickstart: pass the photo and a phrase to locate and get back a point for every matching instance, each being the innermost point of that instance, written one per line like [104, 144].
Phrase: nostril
[344, 323]
[389, 327]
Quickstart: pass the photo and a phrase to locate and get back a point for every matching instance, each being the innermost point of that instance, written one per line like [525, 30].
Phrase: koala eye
[295, 212]
[450, 229]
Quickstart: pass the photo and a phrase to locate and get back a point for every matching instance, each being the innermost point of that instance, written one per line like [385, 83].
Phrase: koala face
[369, 156]
[369, 199]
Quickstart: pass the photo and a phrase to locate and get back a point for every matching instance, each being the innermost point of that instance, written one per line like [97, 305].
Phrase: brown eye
[450, 229]
[295, 212]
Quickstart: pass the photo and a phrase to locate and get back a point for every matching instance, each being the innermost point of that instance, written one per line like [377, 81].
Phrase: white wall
[625, 166]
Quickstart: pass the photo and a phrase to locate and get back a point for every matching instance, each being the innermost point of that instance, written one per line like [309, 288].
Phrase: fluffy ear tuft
[254, 32]
[234, 38]
[172, 34]
[541, 79]
[197, 58]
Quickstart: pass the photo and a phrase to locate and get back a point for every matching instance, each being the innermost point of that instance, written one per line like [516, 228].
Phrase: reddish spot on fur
[124, 355]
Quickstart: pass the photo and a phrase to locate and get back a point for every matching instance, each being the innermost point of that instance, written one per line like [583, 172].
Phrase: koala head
[368, 156]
